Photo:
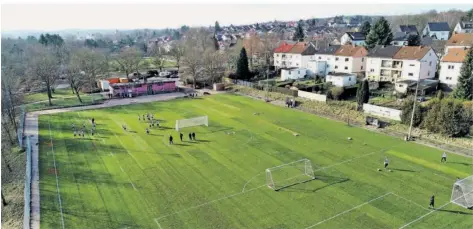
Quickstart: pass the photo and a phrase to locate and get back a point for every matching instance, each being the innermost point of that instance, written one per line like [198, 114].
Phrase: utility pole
[413, 110]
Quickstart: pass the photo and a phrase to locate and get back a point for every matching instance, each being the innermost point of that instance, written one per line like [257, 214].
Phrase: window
[428, 73]
[361, 67]
[410, 74]
[362, 59]
[412, 65]
[336, 67]
[346, 68]
[449, 78]
[277, 62]
[336, 58]
[320, 58]
[371, 70]
[430, 63]
[451, 66]
[349, 78]
[289, 72]
[400, 85]
[277, 55]
[346, 59]
[321, 72]
[298, 72]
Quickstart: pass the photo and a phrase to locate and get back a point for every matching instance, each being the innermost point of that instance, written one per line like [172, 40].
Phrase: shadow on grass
[329, 180]
[404, 170]
[455, 212]
[181, 144]
[461, 163]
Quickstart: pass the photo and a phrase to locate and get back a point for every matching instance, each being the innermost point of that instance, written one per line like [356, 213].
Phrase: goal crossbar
[462, 192]
[289, 174]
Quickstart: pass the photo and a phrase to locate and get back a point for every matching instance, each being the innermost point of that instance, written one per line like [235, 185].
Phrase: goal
[289, 174]
[462, 193]
[197, 121]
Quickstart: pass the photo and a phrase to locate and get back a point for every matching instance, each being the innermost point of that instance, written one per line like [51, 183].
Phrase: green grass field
[119, 179]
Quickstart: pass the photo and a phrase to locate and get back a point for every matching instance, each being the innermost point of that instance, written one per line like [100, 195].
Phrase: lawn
[42, 96]
[128, 179]
[65, 101]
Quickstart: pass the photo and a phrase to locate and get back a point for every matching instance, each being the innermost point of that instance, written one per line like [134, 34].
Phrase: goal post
[197, 121]
[289, 174]
[462, 192]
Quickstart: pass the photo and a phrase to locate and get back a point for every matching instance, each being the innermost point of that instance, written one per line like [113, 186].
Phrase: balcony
[397, 64]
[386, 64]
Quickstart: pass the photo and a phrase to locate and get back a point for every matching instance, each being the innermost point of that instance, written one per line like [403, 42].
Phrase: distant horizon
[164, 16]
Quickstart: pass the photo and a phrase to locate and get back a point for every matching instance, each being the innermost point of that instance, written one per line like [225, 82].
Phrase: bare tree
[177, 52]
[44, 66]
[129, 60]
[193, 65]
[158, 57]
[269, 42]
[4, 202]
[213, 65]
[253, 48]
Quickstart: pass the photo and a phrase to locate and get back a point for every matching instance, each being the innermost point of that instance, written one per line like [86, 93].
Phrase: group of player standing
[181, 136]
[81, 132]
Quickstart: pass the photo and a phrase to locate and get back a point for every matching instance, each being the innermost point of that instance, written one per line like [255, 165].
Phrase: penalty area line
[159, 225]
[349, 210]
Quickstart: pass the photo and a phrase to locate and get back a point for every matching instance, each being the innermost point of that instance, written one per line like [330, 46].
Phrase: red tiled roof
[283, 48]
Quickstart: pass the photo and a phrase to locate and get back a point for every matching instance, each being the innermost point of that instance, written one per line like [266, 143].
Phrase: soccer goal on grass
[462, 193]
[289, 174]
[197, 121]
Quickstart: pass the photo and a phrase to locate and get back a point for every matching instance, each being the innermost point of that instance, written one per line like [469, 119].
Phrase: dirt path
[31, 130]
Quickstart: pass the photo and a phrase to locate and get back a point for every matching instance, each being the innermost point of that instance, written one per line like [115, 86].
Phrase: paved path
[31, 130]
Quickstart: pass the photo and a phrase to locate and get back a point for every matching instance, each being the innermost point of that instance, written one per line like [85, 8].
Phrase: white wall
[373, 68]
[401, 87]
[317, 67]
[287, 74]
[345, 39]
[458, 29]
[441, 35]
[382, 111]
[343, 65]
[359, 64]
[341, 81]
[329, 60]
[449, 76]
[312, 96]
[426, 67]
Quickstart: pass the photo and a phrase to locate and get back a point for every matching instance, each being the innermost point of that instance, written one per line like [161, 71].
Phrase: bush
[338, 93]
[406, 113]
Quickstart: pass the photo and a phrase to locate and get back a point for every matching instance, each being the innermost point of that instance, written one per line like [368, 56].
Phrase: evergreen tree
[299, 34]
[243, 72]
[432, 117]
[42, 40]
[365, 28]
[362, 94]
[217, 27]
[464, 88]
[413, 40]
[406, 113]
[380, 34]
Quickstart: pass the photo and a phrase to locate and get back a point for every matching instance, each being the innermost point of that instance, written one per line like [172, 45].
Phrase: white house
[293, 55]
[322, 61]
[353, 38]
[293, 73]
[350, 59]
[390, 64]
[400, 37]
[341, 79]
[464, 27]
[450, 66]
[437, 30]
[459, 40]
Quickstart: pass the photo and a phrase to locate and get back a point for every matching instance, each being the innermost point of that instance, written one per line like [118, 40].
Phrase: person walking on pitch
[444, 157]
[181, 135]
[147, 131]
[193, 136]
[432, 202]
[386, 162]
[190, 136]
[170, 140]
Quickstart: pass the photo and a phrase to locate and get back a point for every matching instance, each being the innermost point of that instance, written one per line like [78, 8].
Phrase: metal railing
[27, 193]
[21, 126]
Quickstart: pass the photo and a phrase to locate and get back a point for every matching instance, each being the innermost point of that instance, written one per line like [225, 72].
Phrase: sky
[51, 17]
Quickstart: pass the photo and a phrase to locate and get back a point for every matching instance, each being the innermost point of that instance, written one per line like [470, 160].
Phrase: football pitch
[129, 179]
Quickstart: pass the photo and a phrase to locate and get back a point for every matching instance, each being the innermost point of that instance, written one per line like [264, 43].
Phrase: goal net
[197, 121]
[462, 193]
[289, 174]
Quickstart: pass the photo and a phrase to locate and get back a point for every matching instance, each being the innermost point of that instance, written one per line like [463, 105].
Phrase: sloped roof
[461, 39]
[438, 26]
[350, 50]
[455, 55]
[310, 50]
[283, 48]
[400, 36]
[412, 52]
[299, 47]
[356, 36]
[330, 50]
[408, 29]
[384, 51]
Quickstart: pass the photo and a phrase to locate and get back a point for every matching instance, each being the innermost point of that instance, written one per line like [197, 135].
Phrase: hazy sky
[125, 16]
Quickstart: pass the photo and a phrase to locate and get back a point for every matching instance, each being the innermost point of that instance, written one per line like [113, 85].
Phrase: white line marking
[133, 185]
[159, 225]
[122, 169]
[206, 203]
[351, 209]
[244, 186]
[410, 201]
[55, 172]
[428, 213]
[129, 152]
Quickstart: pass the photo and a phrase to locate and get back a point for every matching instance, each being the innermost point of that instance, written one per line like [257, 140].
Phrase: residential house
[464, 27]
[350, 59]
[293, 73]
[437, 30]
[322, 61]
[459, 40]
[450, 66]
[400, 37]
[353, 38]
[280, 58]
[379, 64]
[408, 62]
[340, 79]
[426, 86]
[296, 55]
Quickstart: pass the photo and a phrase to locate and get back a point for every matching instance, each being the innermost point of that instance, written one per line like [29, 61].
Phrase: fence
[382, 111]
[281, 90]
[26, 216]
[312, 96]
[21, 126]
